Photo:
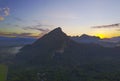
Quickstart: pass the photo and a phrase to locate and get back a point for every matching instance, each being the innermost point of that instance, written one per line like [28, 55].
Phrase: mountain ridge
[87, 39]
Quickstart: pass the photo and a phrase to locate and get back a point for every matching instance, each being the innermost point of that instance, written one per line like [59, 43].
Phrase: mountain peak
[57, 30]
[55, 35]
[84, 35]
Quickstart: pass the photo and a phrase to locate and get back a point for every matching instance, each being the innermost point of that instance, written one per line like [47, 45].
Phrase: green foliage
[3, 72]
[78, 73]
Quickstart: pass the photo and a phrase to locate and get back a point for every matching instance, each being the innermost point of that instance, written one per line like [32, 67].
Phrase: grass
[3, 72]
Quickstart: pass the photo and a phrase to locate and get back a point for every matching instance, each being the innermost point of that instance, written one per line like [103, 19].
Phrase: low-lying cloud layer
[10, 50]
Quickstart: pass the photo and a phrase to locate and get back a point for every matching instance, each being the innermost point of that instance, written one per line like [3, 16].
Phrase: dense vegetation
[88, 72]
[3, 72]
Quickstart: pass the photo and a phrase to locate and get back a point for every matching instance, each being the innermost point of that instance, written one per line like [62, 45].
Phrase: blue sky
[74, 16]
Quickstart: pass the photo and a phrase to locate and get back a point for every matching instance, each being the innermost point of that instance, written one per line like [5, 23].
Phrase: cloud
[43, 31]
[4, 12]
[108, 26]
[9, 50]
[9, 34]
[44, 25]
[22, 34]
[36, 28]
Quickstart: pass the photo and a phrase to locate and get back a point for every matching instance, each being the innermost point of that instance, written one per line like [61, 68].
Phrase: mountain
[111, 42]
[52, 41]
[54, 37]
[86, 39]
[57, 57]
[44, 48]
[85, 36]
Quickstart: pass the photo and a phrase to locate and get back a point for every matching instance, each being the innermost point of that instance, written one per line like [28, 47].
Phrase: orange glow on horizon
[107, 35]
[102, 36]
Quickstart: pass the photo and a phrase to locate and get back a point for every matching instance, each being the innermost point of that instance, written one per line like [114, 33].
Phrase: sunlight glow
[101, 35]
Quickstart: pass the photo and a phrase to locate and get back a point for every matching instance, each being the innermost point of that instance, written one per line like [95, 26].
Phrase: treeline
[88, 72]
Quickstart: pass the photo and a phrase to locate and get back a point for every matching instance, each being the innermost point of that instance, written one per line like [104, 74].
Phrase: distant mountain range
[110, 42]
[113, 39]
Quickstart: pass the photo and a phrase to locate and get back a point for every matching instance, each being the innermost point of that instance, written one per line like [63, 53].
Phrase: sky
[34, 18]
